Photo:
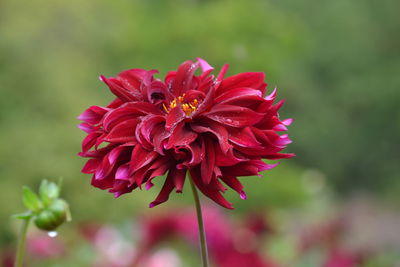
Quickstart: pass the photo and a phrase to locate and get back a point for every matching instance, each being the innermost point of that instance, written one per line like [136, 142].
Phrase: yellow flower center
[187, 107]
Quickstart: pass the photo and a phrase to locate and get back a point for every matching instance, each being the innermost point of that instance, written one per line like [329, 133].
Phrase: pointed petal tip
[148, 186]
[287, 122]
[243, 195]
[204, 65]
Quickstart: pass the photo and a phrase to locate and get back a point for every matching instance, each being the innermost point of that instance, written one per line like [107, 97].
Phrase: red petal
[209, 191]
[90, 141]
[244, 137]
[127, 111]
[183, 78]
[181, 136]
[179, 179]
[116, 153]
[197, 153]
[86, 127]
[207, 165]
[221, 74]
[93, 115]
[157, 92]
[226, 159]
[233, 183]
[91, 166]
[123, 132]
[238, 93]
[148, 125]
[118, 90]
[175, 116]
[215, 128]
[165, 190]
[279, 156]
[246, 79]
[234, 115]
[141, 157]
[122, 172]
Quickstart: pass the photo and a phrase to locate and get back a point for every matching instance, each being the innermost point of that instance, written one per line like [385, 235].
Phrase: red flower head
[214, 127]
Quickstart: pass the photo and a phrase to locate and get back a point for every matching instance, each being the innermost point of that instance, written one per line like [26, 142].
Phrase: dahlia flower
[213, 127]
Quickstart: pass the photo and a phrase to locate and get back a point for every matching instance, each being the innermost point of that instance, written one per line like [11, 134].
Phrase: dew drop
[52, 234]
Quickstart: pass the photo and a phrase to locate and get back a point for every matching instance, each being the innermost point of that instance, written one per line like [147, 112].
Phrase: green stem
[202, 235]
[19, 258]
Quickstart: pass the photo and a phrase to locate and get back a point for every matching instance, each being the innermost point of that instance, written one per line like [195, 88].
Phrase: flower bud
[53, 216]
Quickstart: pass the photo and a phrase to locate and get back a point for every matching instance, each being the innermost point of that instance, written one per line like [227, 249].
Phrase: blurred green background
[336, 63]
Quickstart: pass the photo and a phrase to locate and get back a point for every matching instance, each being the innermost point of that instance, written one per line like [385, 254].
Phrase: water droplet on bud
[52, 233]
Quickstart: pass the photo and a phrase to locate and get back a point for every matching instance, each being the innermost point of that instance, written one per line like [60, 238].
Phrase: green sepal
[23, 216]
[31, 200]
[48, 191]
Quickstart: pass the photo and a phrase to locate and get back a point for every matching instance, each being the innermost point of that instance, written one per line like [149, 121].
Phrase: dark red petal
[160, 136]
[209, 191]
[105, 183]
[127, 111]
[98, 153]
[104, 169]
[248, 168]
[279, 156]
[118, 90]
[123, 132]
[118, 152]
[207, 165]
[215, 128]
[183, 78]
[141, 157]
[90, 140]
[86, 127]
[149, 124]
[121, 187]
[93, 115]
[181, 136]
[158, 168]
[123, 172]
[226, 159]
[175, 116]
[238, 93]
[244, 137]
[246, 79]
[132, 79]
[158, 92]
[207, 103]
[179, 179]
[165, 190]
[221, 74]
[234, 183]
[91, 166]
[234, 116]
[115, 103]
[197, 153]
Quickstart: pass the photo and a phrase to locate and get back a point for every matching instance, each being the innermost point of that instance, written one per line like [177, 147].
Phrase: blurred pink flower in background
[41, 245]
[229, 244]
[215, 128]
[328, 236]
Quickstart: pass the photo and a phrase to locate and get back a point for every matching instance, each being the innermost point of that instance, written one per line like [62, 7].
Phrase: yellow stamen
[165, 108]
[188, 107]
